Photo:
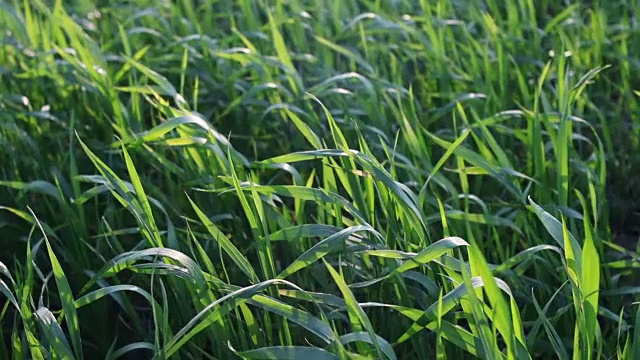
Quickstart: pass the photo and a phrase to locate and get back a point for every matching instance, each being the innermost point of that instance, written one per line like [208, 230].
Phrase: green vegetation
[319, 179]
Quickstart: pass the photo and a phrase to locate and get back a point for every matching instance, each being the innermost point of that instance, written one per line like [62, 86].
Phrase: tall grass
[323, 179]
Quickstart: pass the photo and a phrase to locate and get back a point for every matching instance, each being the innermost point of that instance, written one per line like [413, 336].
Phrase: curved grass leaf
[509, 327]
[191, 270]
[287, 352]
[406, 198]
[363, 336]
[449, 151]
[30, 219]
[346, 52]
[4, 289]
[589, 282]
[236, 256]
[300, 317]
[66, 296]
[298, 232]
[141, 196]
[214, 311]
[37, 186]
[451, 332]
[54, 334]
[283, 54]
[524, 255]
[308, 194]
[129, 348]
[556, 342]
[449, 301]
[427, 255]
[357, 316]
[333, 243]
[100, 293]
[122, 193]
[164, 84]
[554, 227]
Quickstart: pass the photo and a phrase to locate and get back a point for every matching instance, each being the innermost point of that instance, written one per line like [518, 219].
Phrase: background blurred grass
[331, 179]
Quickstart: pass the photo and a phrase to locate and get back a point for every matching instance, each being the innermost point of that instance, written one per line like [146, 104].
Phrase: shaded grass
[462, 170]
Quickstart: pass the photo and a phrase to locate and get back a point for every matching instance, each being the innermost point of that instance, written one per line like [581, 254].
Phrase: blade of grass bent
[357, 315]
[66, 296]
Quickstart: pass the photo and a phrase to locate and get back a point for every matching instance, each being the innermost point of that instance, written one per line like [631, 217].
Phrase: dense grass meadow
[319, 179]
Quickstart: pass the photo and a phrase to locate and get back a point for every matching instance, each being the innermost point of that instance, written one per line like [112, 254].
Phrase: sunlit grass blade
[124, 196]
[66, 297]
[502, 318]
[413, 261]
[589, 282]
[283, 54]
[192, 271]
[217, 309]
[429, 316]
[356, 133]
[141, 196]
[333, 243]
[451, 332]
[232, 251]
[358, 318]
[308, 194]
[54, 334]
[554, 227]
[314, 324]
[449, 151]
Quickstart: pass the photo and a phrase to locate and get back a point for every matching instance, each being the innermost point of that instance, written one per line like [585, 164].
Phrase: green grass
[319, 179]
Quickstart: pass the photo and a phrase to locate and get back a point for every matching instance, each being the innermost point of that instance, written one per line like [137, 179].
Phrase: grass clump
[323, 179]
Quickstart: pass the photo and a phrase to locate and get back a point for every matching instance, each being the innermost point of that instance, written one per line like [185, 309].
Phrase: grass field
[319, 179]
